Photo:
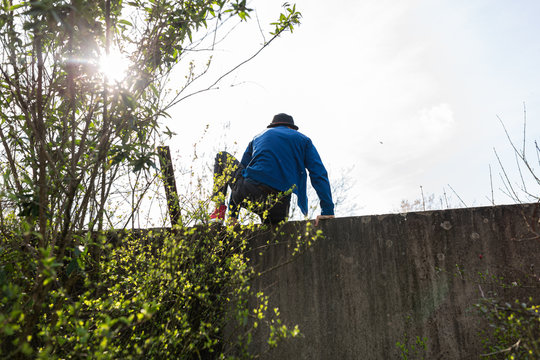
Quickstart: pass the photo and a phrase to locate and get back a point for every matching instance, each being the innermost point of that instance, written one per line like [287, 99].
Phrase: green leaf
[72, 266]
[154, 89]
[17, 6]
[125, 22]
[128, 100]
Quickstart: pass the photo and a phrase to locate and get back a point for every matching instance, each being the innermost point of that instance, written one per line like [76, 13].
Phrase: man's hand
[323, 217]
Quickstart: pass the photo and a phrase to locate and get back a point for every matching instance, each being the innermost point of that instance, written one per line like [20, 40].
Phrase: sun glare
[114, 66]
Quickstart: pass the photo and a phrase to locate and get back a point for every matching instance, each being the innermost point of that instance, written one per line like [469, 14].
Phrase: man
[274, 165]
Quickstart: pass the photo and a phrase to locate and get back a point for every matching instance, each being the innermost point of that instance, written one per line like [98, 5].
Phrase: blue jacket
[279, 157]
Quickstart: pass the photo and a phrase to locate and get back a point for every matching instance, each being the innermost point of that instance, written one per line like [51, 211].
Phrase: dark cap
[283, 119]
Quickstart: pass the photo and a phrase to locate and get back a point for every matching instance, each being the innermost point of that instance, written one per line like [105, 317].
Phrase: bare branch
[491, 186]
[524, 128]
[506, 183]
[455, 193]
[176, 100]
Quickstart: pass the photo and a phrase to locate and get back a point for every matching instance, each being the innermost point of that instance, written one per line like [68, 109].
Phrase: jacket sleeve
[319, 179]
[248, 154]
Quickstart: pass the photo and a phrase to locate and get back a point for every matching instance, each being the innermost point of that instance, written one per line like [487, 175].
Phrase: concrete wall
[374, 280]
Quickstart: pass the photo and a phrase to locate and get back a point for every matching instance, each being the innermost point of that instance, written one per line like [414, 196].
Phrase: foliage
[514, 326]
[145, 295]
[68, 131]
[411, 348]
[414, 350]
[514, 329]
[71, 134]
[510, 326]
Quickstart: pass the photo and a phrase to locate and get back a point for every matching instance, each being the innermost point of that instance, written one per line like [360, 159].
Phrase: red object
[480, 256]
[219, 213]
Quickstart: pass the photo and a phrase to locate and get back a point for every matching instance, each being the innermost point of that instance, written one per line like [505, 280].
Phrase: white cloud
[407, 138]
[434, 123]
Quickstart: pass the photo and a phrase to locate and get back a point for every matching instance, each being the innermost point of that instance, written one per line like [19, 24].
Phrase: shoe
[219, 213]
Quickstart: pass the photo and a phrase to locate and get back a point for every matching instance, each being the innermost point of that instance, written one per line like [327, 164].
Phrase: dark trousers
[271, 205]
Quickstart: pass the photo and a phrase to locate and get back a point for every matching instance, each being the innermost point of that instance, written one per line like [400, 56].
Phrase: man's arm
[248, 154]
[319, 179]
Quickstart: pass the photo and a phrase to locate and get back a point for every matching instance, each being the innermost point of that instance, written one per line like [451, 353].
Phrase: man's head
[283, 120]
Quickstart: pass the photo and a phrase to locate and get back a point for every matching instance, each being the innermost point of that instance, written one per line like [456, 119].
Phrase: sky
[400, 97]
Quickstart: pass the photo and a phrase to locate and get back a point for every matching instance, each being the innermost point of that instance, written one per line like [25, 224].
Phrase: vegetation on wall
[183, 293]
[514, 328]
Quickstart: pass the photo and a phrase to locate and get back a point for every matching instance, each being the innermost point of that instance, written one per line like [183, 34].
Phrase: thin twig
[507, 134]
[522, 156]
[463, 202]
[423, 200]
[537, 151]
[507, 193]
[212, 86]
[506, 183]
[524, 126]
[515, 346]
[491, 185]
[260, 28]
[524, 189]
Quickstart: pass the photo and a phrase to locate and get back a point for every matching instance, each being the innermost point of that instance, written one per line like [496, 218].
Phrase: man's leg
[227, 170]
[271, 205]
[242, 191]
[278, 208]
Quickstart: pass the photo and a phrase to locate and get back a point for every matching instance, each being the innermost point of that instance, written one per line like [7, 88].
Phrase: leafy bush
[514, 329]
[181, 294]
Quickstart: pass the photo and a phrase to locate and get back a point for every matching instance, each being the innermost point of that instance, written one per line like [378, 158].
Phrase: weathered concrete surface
[375, 279]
